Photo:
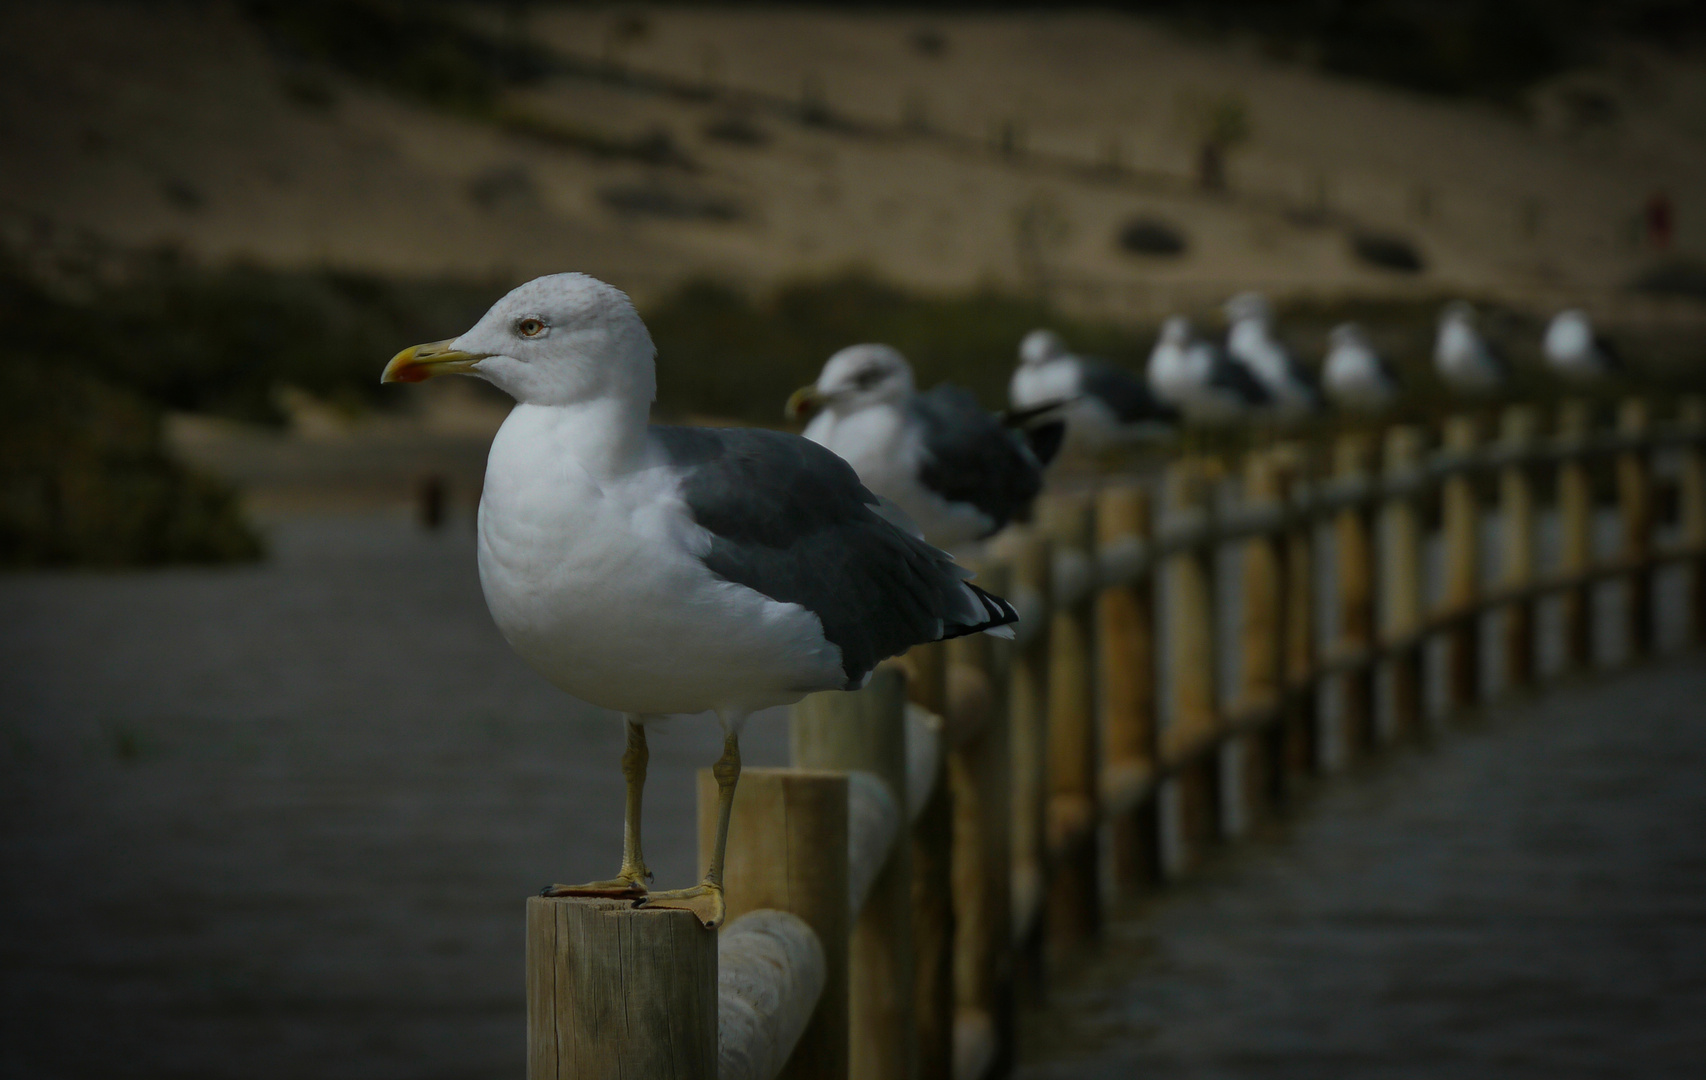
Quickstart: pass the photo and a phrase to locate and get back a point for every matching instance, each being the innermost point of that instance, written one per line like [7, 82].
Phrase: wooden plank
[1401, 580]
[1125, 640]
[1575, 526]
[866, 731]
[610, 982]
[1462, 541]
[1073, 903]
[1518, 428]
[1353, 559]
[1635, 508]
[787, 850]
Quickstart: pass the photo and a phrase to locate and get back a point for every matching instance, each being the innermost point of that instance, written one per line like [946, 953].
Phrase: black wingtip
[998, 611]
[1045, 440]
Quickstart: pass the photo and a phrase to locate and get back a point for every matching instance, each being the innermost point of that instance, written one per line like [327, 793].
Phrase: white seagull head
[557, 340]
[1459, 312]
[855, 378]
[1041, 346]
[1347, 335]
[1247, 306]
[1176, 331]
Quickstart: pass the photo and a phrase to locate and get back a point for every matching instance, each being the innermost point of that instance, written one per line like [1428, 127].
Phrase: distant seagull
[1251, 342]
[1103, 406]
[1200, 379]
[657, 570]
[1463, 358]
[951, 467]
[1356, 377]
[1574, 351]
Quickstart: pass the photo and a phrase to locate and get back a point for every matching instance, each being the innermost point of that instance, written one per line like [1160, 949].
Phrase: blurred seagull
[951, 467]
[1463, 358]
[1574, 351]
[1251, 342]
[1103, 406]
[661, 570]
[1357, 377]
[1200, 379]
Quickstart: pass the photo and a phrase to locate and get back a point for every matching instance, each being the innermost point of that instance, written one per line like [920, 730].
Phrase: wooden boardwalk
[1525, 897]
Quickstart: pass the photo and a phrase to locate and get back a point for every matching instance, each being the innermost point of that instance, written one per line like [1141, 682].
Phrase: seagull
[1464, 359]
[658, 570]
[950, 467]
[1103, 406]
[1199, 379]
[1575, 351]
[1251, 342]
[1357, 377]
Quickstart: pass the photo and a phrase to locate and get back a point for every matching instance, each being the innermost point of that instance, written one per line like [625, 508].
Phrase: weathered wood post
[1518, 428]
[1692, 496]
[866, 732]
[1401, 595]
[1261, 677]
[1190, 630]
[1302, 742]
[1575, 527]
[979, 764]
[787, 850]
[609, 982]
[1461, 528]
[1635, 507]
[1073, 902]
[1353, 542]
[932, 876]
[1028, 710]
[1125, 638]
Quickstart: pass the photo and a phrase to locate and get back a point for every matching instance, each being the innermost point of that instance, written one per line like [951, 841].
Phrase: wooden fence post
[1575, 527]
[1461, 528]
[1190, 629]
[979, 765]
[607, 981]
[1262, 651]
[1028, 705]
[1302, 742]
[787, 850]
[1692, 496]
[1125, 636]
[866, 731]
[1073, 902]
[1401, 572]
[1519, 426]
[1635, 506]
[932, 880]
[1353, 557]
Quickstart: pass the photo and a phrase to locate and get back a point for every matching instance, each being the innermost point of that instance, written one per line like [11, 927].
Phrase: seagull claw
[615, 889]
[704, 900]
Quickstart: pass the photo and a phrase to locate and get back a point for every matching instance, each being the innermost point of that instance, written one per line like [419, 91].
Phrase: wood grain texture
[1575, 528]
[620, 992]
[1461, 537]
[1353, 560]
[788, 851]
[1074, 895]
[1125, 641]
[1402, 580]
[1635, 508]
[866, 731]
[1517, 431]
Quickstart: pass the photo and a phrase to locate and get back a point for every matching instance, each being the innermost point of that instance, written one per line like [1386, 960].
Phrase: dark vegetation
[1388, 252]
[89, 366]
[1151, 236]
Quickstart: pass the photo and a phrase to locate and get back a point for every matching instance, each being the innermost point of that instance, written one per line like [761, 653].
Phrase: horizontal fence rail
[894, 895]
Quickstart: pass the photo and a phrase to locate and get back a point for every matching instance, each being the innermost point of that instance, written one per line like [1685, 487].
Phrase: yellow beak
[417, 363]
[803, 403]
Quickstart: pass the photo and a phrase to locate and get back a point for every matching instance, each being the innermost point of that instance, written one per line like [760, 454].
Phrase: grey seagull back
[1125, 395]
[789, 519]
[971, 458]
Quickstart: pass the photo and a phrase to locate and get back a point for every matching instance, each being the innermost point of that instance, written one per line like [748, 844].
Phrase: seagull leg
[706, 898]
[630, 881]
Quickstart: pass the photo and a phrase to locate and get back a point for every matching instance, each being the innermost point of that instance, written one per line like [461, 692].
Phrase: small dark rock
[1674, 277]
[1151, 236]
[1388, 253]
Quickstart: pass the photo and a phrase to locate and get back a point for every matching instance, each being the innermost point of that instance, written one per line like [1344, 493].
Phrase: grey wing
[970, 458]
[1227, 373]
[1126, 396]
[791, 520]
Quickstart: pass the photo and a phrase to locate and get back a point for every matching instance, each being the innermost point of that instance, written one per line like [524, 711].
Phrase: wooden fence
[857, 947]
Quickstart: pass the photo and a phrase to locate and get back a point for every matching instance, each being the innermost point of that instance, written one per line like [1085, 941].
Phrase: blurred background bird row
[959, 473]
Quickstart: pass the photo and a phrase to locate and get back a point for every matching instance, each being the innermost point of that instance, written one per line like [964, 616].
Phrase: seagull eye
[530, 327]
[868, 378]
